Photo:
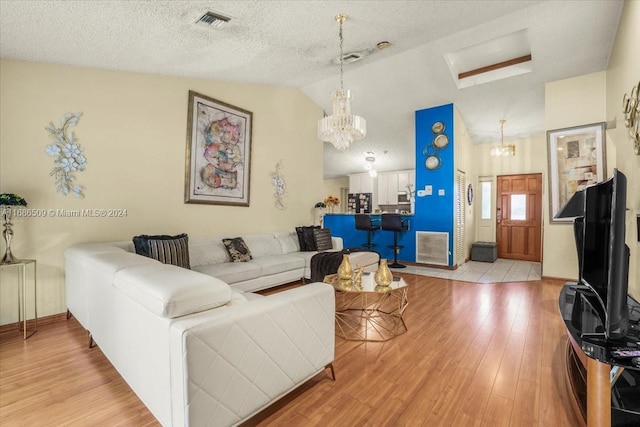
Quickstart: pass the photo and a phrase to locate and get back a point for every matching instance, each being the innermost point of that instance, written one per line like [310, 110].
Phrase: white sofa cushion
[288, 242]
[232, 272]
[262, 245]
[206, 251]
[112, 262]
[170, 291]
[280, 263]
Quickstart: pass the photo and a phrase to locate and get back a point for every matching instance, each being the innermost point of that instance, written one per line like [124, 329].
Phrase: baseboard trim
[420, 264]
[42, 321]
[564, 279]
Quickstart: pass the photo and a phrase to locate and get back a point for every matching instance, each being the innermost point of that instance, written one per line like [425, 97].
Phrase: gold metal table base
[370, 313]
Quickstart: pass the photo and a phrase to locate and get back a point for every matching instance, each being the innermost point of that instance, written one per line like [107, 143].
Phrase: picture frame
[218, 155]
[576, 158]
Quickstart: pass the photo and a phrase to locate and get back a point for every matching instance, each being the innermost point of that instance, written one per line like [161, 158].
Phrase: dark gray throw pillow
[172, 250]
[238, 249]
[306, 238]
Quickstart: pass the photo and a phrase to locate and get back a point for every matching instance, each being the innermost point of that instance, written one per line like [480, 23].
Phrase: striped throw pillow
[166, 249]
[322, 237]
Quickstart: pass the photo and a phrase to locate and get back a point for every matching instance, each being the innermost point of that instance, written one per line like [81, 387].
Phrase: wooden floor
[474, 354]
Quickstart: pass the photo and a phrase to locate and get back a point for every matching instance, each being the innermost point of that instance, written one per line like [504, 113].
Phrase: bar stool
[364, 222]
[393, 222]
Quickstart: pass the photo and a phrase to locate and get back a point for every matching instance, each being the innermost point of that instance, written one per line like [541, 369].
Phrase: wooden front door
[519, 217]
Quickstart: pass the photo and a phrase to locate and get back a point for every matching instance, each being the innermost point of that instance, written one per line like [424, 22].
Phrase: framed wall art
[576, 159]
[218, 160]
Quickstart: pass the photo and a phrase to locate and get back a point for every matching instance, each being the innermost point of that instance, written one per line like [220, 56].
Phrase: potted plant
[8, 202]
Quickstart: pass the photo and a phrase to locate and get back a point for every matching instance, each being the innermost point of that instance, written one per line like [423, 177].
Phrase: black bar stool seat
[366, 223]
[394, 222]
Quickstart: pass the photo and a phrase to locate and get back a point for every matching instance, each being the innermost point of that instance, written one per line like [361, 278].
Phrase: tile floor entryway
[502, 270]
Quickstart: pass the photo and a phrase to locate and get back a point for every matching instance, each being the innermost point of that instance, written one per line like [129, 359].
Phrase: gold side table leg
[22, 300]
[35, 298]
[21, 265]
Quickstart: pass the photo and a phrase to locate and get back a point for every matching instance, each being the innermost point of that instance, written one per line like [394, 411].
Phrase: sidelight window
[486, 199]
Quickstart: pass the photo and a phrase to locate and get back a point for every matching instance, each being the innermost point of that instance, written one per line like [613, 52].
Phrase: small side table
[22, 294]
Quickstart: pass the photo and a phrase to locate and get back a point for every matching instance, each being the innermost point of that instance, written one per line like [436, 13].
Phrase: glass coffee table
[369, 312]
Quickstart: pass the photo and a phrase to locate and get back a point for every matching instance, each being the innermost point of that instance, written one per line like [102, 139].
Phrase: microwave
[403, 198]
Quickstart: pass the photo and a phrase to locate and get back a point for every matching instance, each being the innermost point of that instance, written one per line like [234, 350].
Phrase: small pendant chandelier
[341, 128]
[502, 150]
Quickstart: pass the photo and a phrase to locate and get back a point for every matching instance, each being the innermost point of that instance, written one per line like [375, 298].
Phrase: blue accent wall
[435, 212]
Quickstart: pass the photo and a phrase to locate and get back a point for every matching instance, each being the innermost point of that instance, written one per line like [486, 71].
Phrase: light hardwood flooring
[474, 354]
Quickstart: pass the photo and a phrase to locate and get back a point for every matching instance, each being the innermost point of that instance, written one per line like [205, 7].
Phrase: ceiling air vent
[213, 19]
[351, 57]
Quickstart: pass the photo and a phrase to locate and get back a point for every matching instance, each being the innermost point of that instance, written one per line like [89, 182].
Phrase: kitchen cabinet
[388, 188]
[406, 178]
[360, 183]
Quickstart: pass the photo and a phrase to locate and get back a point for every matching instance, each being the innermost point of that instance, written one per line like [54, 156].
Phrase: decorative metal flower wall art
[631, 109]
[279, 186]
[68, 153]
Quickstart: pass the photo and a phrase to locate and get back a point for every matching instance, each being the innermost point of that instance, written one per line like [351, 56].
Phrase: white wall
[134, 133]
[624, 73]
[334, 187]
[571, 102]
[531, 157]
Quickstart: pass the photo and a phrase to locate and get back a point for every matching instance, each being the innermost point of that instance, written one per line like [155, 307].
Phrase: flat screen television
[604, 265]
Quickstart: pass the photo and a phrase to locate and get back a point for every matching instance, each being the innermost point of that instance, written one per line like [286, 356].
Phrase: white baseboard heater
[432, 247]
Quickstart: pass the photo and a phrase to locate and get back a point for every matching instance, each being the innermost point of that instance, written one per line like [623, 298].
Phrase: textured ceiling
[293, 43]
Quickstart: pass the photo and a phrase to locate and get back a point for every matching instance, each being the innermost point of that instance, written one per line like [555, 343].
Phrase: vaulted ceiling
[294, 43]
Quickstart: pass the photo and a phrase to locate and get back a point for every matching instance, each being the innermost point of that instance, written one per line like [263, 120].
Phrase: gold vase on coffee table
[383, 276]
[345, 272]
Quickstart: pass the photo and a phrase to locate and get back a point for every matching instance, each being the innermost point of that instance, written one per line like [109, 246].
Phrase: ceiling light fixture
[341, 128]
[370, 158]
[502, 150]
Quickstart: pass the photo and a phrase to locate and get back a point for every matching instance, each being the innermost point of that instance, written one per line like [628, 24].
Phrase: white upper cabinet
[388, 188]
[360, 183]
[406, 178]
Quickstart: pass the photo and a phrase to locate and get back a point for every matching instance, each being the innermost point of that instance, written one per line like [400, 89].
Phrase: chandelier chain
[341, 19]
[342, 127]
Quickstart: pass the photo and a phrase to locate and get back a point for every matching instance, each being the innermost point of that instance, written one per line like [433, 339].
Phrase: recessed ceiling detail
[496, 59]
[497, 66]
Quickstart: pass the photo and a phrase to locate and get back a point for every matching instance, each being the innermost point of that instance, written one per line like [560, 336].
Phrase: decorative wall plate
[437, 127]
[441, 141]
[428, 150]
[432, 162]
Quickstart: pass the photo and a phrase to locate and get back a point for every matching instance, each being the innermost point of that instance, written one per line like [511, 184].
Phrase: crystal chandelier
[502, 150]
[341, 128]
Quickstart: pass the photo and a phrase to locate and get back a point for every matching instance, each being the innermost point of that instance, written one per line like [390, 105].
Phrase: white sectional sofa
[196, 350]
[276, 260]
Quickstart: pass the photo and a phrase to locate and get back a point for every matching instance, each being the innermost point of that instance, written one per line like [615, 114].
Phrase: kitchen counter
[344, 225]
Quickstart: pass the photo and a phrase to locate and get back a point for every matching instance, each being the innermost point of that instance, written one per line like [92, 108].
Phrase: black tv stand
[606, 389]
